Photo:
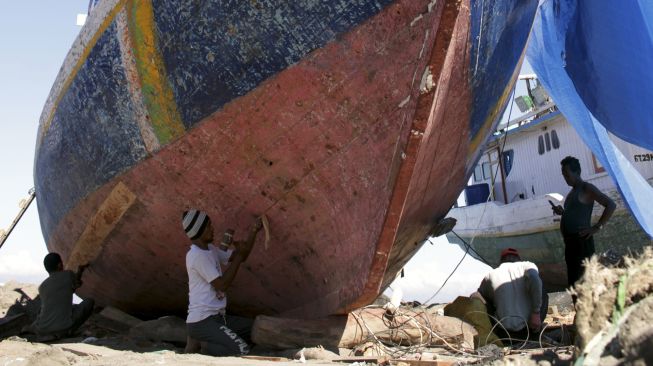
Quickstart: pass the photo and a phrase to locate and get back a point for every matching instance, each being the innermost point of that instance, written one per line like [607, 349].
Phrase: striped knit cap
[194, 222]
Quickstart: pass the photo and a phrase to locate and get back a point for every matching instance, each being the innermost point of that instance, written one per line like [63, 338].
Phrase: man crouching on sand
[217, 333]
[58, 316]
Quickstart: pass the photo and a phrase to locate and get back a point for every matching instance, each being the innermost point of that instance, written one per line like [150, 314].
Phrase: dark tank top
[577, 215]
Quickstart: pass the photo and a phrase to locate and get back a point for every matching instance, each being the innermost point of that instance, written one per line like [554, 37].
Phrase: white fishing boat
[506, 203]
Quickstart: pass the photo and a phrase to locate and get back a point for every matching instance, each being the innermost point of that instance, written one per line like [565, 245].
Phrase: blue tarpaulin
[595, 58]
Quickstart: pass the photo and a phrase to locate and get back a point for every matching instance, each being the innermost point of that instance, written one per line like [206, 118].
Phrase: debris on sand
[411, 334]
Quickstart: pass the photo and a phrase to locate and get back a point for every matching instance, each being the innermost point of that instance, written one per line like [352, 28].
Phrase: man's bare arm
[223, 282]
[605, 201]
[534, 286]
[241, 254]
[485, 290]
[78, 276]
[245, 247]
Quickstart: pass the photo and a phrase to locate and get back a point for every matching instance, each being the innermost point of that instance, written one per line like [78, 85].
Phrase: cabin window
[540, 145]
[478, 174]
[554, 139]
[487, 171]
[547, 139]
[508, 157]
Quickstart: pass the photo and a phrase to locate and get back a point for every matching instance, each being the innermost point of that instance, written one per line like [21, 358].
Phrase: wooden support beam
[358, 327]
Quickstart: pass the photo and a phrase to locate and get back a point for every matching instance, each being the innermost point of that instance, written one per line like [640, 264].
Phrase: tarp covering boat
[594, 58]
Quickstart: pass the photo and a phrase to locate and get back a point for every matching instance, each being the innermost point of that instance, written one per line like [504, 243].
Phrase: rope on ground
[525, 341]
[396, 326]
[405, 320]
[499, 321]
[374, 336]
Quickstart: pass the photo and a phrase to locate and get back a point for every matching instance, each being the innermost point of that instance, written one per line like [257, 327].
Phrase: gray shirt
[56, 294]
[515, 289]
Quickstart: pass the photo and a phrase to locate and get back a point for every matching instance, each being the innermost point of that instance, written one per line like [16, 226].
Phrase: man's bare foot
[192, 345]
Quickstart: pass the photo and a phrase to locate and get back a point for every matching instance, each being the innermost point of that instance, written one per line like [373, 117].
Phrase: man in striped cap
[217, 333]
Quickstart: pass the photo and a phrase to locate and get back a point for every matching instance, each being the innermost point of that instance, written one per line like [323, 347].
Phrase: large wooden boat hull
[353, 125]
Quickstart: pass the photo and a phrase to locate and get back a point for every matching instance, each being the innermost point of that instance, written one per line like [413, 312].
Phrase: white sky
[34, 39]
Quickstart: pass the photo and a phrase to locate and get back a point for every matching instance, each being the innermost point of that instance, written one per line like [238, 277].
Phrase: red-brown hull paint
[350, 171]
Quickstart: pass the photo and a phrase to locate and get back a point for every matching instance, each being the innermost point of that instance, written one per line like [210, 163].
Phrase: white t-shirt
[203, 266]
[516, 291]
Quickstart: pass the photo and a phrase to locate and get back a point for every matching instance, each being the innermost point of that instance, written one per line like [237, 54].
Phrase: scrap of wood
[349, 331]
[266, 358]
[80, 353]
[351, 359]
[425, 362]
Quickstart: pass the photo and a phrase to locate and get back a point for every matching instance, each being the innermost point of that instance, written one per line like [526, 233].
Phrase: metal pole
[23, 207]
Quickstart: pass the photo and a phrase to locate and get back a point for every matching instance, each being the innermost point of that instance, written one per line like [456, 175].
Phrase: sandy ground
[22, 353]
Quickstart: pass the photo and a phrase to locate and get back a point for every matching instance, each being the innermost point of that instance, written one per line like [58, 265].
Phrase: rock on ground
[165, 329]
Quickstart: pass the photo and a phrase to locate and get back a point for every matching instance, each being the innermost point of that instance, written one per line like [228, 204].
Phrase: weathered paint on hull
[348, 146]
[547, 250]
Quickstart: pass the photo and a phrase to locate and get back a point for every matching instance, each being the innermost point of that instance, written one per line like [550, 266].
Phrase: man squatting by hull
[515, 296]
[58, 316]
[211, 270]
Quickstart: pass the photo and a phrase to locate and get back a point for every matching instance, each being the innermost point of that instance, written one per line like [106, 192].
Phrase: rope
[394, 325]
[448, 277]
[469, 245]
[404, 320]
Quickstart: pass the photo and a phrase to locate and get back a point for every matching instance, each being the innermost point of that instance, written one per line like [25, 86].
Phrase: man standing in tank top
[575, 225]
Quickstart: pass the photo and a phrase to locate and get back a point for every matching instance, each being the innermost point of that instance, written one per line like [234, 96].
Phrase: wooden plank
[266, 358]
[425, 362]
[111, 211]
[375, 359]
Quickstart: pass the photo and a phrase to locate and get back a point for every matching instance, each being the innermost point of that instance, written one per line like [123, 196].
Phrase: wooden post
[23, 207]
[360, 326]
